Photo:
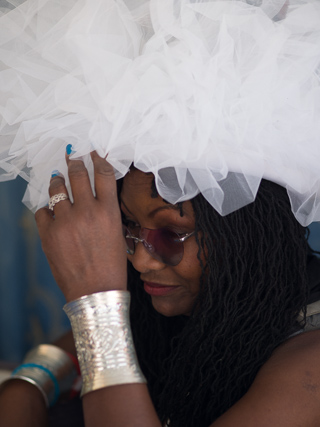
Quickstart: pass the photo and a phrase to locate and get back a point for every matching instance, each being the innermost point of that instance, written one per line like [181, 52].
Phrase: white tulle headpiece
[210, 96]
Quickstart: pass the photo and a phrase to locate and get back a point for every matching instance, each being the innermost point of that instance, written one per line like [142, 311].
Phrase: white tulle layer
[209, 96]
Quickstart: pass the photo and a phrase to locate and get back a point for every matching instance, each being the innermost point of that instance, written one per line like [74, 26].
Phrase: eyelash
[127, 221]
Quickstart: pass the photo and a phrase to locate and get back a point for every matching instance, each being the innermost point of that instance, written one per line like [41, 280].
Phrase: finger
[104, 179]
[79, 179]
[43, 218]
[57, 186]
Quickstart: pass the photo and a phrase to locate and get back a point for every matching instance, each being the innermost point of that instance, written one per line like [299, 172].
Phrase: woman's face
[173, 289]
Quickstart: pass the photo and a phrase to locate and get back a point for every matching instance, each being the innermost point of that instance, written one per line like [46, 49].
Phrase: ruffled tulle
[210, 96]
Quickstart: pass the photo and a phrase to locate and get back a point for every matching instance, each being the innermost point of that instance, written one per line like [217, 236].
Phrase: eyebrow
[152, 213]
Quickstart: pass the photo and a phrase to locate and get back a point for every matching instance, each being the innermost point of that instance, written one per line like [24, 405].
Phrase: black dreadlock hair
[253, 286]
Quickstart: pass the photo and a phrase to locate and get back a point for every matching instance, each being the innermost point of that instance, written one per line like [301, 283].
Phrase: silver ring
[56, 199]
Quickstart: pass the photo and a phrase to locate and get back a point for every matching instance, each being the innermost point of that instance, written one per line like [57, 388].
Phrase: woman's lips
[158, 290]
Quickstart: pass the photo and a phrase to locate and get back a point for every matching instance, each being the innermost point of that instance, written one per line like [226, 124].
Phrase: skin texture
[83, 258]
[138, 207]
[22, 405]
[87, 253]
[286, 391]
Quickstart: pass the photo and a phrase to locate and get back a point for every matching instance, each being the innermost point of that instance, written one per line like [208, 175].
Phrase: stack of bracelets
[49, 368]
[101, 329]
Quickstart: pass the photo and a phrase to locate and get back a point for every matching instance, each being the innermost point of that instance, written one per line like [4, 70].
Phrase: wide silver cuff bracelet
[101, 329]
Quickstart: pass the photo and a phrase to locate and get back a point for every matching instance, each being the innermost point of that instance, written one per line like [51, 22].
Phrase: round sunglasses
[163, 244]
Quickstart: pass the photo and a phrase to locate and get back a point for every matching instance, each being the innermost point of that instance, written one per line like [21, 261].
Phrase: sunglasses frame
[149, 247]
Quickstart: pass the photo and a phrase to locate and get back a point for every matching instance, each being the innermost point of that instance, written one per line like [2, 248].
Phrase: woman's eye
[127, 222]
[179, 231]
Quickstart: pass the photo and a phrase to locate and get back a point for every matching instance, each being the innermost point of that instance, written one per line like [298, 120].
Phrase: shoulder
[306, 344]
[286, 391]
[297, 360]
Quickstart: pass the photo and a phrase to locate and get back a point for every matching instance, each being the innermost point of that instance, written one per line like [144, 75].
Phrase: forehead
[137, 188]
[135, 180]
[137, 193]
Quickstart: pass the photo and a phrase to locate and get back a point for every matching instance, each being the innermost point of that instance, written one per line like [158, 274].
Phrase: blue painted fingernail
[55, 173]
[69, 149]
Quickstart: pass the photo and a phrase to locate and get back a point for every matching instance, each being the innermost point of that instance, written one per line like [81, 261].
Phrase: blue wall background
[30, 301]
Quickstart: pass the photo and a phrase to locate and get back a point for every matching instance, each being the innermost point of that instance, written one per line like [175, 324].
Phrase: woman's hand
[83, 241]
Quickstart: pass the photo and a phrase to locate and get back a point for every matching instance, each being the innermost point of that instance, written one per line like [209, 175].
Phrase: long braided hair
[253, 286]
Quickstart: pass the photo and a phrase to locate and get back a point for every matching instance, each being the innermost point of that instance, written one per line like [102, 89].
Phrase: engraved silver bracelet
[101, 329]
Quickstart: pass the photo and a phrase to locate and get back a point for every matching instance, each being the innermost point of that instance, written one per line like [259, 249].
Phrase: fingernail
[55, 173]
[69, 149]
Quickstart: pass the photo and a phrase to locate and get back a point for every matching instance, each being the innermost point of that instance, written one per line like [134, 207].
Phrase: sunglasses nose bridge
[134, 238]
[146, 244]
[142, 240]
[137, 239]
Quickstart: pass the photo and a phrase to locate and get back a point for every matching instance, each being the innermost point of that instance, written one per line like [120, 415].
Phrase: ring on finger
[56, 199]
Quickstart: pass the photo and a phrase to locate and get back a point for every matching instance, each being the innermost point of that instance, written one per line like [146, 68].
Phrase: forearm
[87, 263]
[114, 389]
[120, 406]
[22, 405]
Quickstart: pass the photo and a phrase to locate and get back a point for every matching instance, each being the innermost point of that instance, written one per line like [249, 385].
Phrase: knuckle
[102, 167]
[57, 183]
[105, 171]
[77, 168]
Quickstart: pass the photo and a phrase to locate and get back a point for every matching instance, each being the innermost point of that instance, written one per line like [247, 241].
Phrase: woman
[216, 310]
[225, 328]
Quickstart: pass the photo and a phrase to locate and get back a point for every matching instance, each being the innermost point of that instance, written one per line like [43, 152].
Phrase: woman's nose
[142, 261]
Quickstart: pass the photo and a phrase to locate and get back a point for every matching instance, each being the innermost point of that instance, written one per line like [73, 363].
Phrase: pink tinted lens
[163, 245]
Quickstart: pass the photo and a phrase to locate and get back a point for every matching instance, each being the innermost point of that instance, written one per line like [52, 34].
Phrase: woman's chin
[171, 308]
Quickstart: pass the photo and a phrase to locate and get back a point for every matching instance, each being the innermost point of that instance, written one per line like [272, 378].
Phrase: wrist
[102, 333]
[81, 291]
[29, 392]
[22, 404]
[49, 369]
